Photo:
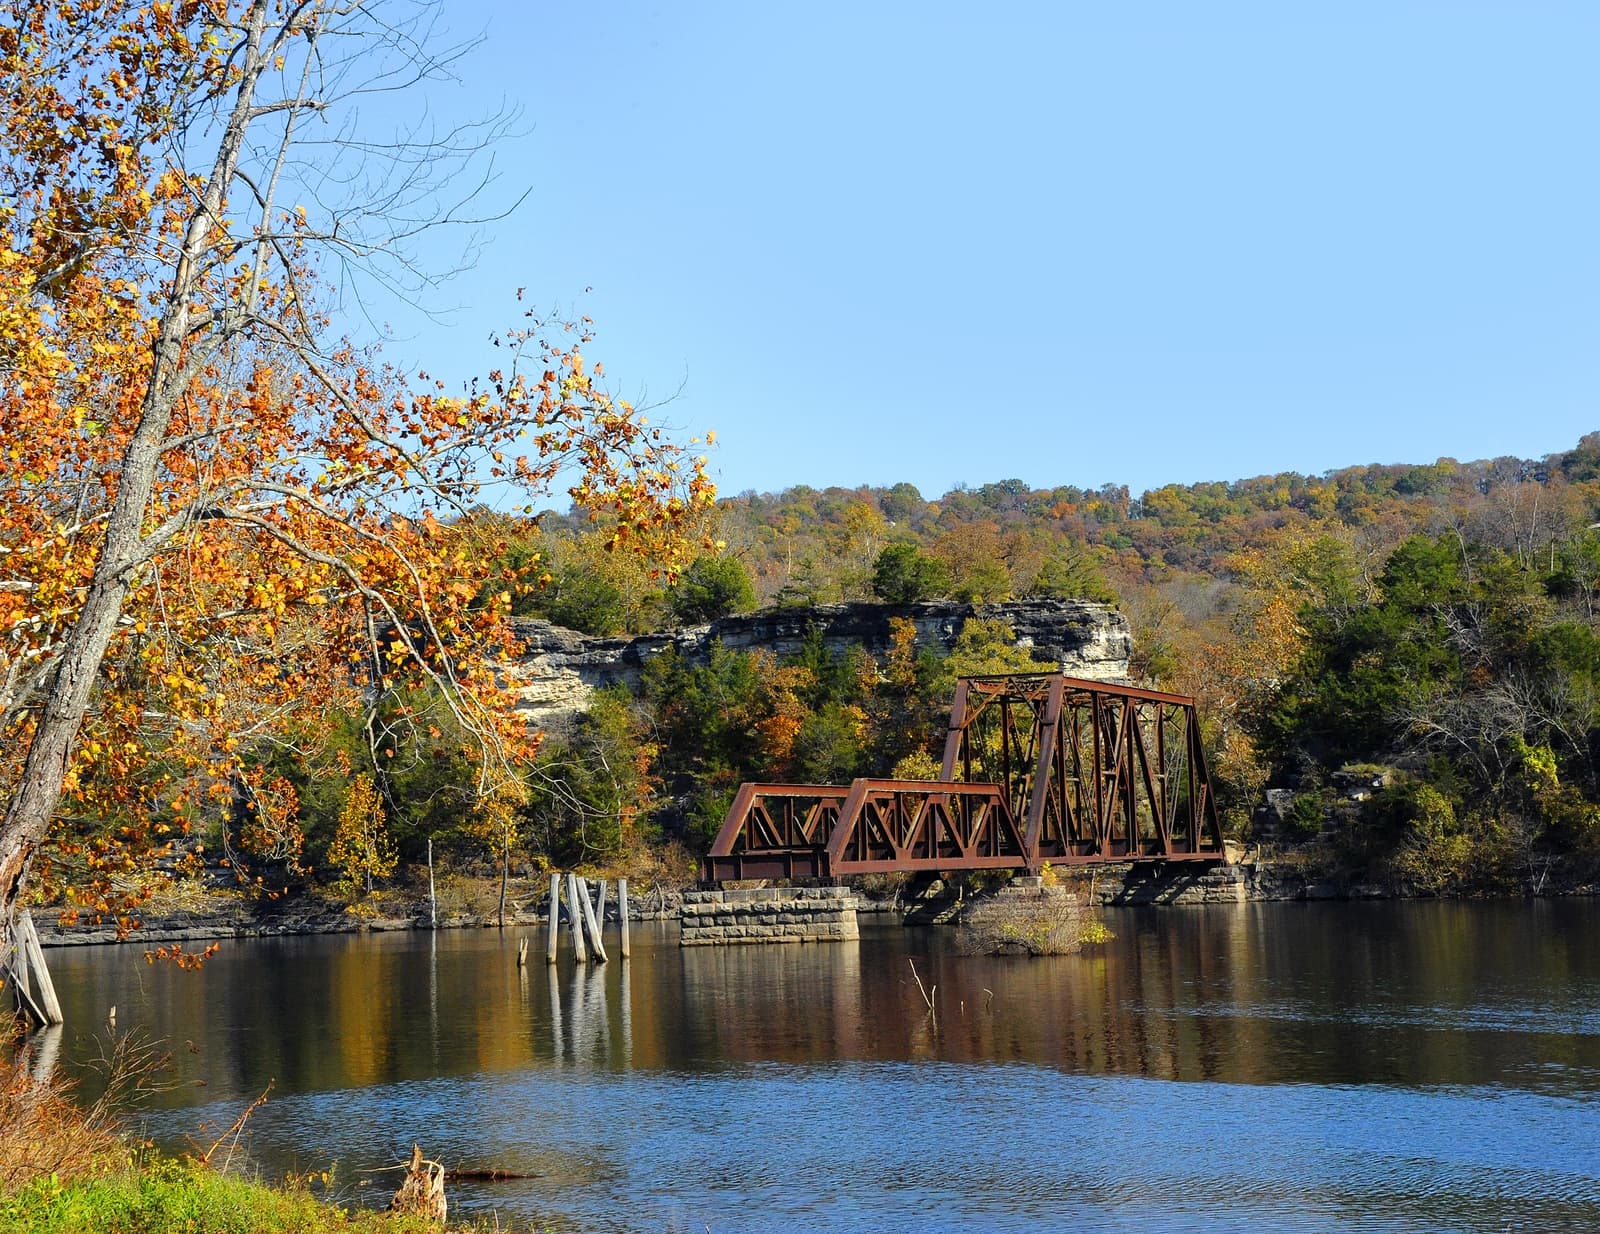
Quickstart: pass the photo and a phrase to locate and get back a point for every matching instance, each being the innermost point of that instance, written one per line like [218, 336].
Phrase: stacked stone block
[769, 915]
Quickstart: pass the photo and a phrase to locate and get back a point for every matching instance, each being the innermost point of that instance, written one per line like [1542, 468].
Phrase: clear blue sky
[1067, 242]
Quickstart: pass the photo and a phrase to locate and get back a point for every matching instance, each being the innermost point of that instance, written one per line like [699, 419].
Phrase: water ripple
[936, 1146]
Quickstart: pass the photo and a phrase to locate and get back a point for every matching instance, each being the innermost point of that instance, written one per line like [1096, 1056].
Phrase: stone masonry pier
[769, 915]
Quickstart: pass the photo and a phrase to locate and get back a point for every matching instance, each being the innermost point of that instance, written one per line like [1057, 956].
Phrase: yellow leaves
[326, 475]
[777, 734]
[361, 848]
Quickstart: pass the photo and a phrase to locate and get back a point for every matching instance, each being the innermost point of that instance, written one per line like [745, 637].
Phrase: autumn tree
[1236, 671]
[361, 848]
[194, 464]
[591, 785]
[975, 555]
[495, 820]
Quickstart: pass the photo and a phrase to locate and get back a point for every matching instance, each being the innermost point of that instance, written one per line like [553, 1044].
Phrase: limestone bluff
[559, 670]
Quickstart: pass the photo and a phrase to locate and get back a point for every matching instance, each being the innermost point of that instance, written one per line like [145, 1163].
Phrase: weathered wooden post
[555, 919]
[600, 908]
[35, 990]
[522, 952]
[433, 899]
[575, 911]
[622, 912]
[594, 928]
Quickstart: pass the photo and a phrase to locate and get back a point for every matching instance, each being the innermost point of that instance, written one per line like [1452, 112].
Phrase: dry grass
[173, 897]
[43, 1132]
[462, 895]
[68, 1169]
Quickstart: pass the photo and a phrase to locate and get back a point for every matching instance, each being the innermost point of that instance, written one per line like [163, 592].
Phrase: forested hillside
[1434, 623]
[1430, 628]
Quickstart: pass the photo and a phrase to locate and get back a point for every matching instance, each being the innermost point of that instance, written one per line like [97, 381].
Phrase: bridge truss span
[1037, 768]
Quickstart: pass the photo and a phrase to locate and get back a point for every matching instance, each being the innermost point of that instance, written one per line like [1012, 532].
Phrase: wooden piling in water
[35, 991]
[522, 952]
[555, 919]
[433, 895]
[26, 1007]
[622, 912]
[600, 908]
[595, 940]
[575, 911]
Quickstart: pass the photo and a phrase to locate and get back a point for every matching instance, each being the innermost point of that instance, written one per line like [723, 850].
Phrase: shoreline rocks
[1111, 886]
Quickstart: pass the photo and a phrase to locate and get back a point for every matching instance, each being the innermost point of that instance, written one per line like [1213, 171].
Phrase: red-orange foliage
[216, 519]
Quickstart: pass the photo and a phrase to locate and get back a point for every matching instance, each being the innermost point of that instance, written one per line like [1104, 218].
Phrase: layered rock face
[560, 670]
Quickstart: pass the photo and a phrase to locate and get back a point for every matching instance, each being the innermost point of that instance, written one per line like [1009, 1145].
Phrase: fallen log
[483, 1176]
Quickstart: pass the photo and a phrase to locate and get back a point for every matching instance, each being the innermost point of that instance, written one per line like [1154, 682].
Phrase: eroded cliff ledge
[561, 669]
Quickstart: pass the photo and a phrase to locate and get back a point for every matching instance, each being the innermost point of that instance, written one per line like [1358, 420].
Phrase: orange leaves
[221, 521]
[777, 734]
[174, 953]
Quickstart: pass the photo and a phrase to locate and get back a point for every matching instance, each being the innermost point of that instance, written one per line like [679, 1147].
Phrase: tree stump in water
[422, 1192]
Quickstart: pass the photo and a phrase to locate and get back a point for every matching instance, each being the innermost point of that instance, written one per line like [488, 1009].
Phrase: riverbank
[205, 917]
[78, 1168]
[165, 1196]
[198, 914]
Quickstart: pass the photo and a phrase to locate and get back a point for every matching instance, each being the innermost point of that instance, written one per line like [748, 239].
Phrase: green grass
[173, 1197]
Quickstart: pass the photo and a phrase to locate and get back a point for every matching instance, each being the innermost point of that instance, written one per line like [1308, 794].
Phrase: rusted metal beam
[1037, 767]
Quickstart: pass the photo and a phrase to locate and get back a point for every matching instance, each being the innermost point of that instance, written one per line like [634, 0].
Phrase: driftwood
[422, 1192]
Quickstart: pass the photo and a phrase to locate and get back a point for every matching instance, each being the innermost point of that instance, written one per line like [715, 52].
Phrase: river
[1316, 1067]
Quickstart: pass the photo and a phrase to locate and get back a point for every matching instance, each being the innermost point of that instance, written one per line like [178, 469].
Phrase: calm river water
[1270, 1067]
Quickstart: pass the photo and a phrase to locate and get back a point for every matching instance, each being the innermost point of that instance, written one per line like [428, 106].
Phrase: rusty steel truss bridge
[1038, 768]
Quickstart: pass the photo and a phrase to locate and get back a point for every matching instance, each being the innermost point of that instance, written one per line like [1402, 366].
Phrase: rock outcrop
[560, 669]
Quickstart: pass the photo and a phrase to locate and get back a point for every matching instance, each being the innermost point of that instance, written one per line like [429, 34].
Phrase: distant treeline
[1436, 622]
[1434, 628]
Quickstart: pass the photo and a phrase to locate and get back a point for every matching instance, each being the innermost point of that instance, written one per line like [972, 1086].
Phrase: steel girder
[1037, 768]
[1097, 772]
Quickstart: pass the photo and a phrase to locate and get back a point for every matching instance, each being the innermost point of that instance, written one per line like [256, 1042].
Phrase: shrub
[1054, 922]
[904, 574]
[1306, 816]
[710, 588]
[44, 1135]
